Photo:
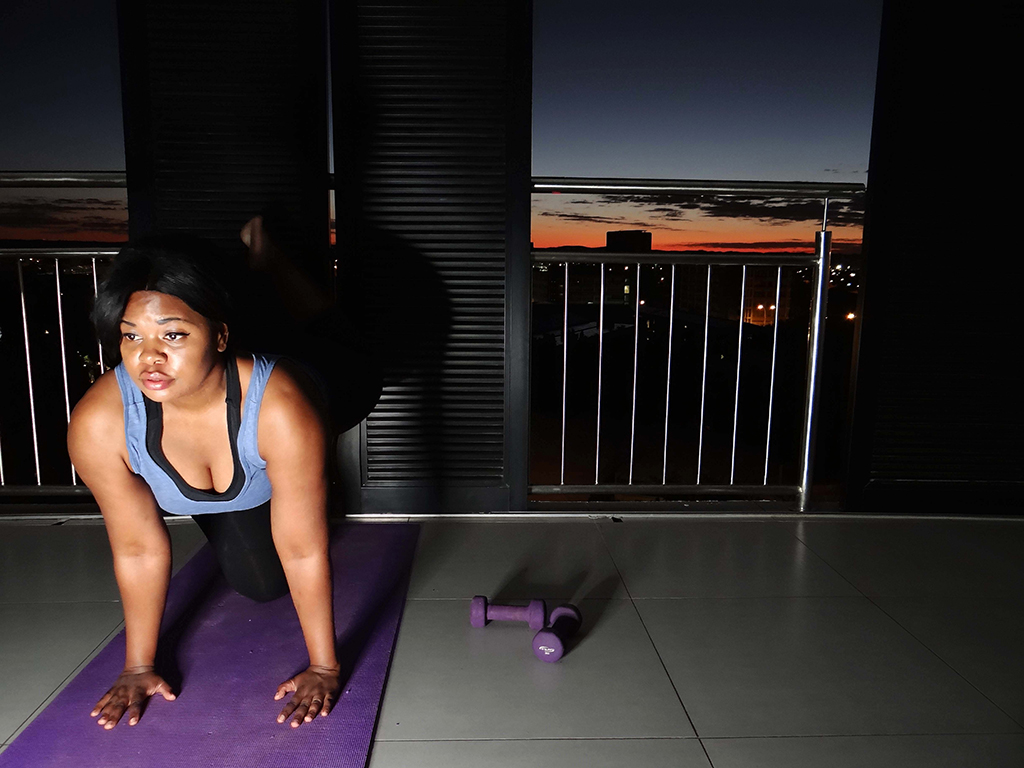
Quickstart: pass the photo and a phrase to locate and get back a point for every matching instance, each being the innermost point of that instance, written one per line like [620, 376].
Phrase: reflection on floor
[725, 642]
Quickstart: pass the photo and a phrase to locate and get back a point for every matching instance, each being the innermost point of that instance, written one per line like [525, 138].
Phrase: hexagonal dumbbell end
[549, 644]
[480, 612]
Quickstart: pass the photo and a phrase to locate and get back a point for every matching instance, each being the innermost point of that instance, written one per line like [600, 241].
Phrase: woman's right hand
[129, 693]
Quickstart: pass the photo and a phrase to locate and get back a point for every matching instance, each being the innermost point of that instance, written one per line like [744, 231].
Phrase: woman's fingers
[315, 692]
[300, 713]
[112, 714]
[134, 712]
[314, 709]
[100, 704]
[129, 696]
[288, 709]
[284, 688]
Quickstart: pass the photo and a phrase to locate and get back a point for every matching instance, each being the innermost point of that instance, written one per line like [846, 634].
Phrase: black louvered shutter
[431, 125]
[225, 108]
[938, 418]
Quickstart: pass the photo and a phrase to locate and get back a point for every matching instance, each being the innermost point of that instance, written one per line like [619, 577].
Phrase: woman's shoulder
[99, 415]
[290, 404]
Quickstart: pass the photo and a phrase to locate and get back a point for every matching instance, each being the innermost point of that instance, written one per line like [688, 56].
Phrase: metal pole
[600, 369]
[668, 372]
[771, 385]
[739, 359]
[819, 306]
[95, 293]
[636, 350]
[704, 376]
[565, 360]
[28, 370]
[63, 354]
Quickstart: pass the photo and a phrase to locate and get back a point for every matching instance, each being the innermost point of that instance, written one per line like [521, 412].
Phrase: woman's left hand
[315, 690]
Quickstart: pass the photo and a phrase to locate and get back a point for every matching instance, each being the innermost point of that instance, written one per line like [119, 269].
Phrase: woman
[187, 425]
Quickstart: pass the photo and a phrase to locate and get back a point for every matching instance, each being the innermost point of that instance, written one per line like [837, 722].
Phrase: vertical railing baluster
[771, 385]
[600, 370]
[636, 350]
[668, 372]
[739, 360]
[95, 293]
[819, 307]
[565, 360]
[28, 370]
[704, 377]
[63, 353]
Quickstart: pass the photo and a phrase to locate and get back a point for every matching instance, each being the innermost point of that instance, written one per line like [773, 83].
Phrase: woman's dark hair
[185, 267]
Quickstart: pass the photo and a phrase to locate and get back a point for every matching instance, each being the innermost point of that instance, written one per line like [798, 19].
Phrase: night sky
[735, 89]
[60, 86]
[732, 89]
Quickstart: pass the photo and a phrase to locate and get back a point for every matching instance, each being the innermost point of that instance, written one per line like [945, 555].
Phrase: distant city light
[760, 306]
[642, 301]
[772, 307]
[850, 316]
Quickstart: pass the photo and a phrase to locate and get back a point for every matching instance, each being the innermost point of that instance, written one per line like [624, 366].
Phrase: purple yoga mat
[231, 654]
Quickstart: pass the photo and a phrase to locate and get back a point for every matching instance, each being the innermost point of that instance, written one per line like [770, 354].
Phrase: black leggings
[246, 553]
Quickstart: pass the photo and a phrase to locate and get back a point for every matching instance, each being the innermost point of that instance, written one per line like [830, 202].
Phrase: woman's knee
[262, 587]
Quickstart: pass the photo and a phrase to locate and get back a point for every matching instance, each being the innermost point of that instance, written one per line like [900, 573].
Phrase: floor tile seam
[953, 669]
[899, 735]
[78, 668]
[827, 564]
[654, 645]
[59, 602]
[911, 634]
[516, 599]
[756, 597]
[537, 738]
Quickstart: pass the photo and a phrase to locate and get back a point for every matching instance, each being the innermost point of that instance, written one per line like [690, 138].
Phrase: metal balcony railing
[65, 259]
[82, 262]
[819, 264]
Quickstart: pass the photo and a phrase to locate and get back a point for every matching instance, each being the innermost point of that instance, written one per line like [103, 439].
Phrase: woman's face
[169, 349]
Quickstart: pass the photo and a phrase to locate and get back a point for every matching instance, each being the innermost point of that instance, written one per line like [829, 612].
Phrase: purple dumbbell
[549, 644]
[534, 614]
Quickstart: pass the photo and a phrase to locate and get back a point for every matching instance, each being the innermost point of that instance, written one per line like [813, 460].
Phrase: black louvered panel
[225, 106]
[942, 414]
[422, 98]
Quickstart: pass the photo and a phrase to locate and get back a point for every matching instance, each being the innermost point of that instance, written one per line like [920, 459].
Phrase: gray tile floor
[707, 642]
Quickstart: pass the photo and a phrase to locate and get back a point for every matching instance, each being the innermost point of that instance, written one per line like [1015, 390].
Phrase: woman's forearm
[142, 580]
[309, 579]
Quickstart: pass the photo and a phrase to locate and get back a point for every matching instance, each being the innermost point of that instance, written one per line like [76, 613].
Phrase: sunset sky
[736, 89]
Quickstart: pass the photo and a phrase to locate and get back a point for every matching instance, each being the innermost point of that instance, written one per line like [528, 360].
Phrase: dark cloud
[768, 210]
[611, 221]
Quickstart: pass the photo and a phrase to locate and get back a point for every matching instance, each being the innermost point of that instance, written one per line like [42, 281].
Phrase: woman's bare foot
[263, 253]
[302, 297]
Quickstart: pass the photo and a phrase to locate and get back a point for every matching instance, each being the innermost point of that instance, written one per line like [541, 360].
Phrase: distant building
[628, 241]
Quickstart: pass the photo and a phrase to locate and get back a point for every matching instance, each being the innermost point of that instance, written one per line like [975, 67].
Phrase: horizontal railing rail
[780, 189]
[701, 258]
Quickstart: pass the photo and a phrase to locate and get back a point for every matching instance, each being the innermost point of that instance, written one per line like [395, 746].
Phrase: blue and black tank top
[143, 432]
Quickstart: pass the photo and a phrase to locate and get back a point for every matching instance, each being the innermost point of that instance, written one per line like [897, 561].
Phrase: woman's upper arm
[96, 445]
[292, 440]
